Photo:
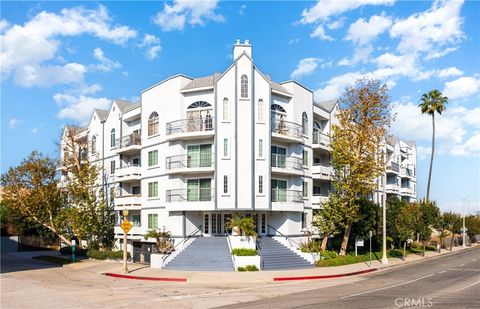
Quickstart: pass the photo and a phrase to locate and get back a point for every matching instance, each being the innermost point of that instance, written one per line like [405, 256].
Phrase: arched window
[261, 111]
[153, 124]
[304, 123]
[277, 108]
[112, 138]
[226, 110]
[94, 144]
[199, 104]
[244, 86]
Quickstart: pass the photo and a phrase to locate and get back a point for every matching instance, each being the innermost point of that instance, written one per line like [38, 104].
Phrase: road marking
[465, 269]
[466, 287]
[443, 271]
[388, 287]
[462, 265]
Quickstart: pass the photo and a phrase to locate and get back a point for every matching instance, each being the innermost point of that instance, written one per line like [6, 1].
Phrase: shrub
[312, 246]
[251, 268]
[104, 255]
[78, 251]
[244, 252]
[329, 254]
[241, 268]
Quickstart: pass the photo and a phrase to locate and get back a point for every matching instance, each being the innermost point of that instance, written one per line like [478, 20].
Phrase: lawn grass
[54, 259]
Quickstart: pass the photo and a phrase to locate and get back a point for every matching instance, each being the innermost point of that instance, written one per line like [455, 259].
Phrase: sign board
[462, 230]
[126, 226]
[74, 243]
[359, 242]
[370, 234]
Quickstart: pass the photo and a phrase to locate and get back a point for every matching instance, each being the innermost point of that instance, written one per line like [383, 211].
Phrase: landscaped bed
[54, 259]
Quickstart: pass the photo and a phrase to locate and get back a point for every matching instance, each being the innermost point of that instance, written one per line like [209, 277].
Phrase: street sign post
[126, 226]
[74, 242]
[358, 243]
[370, 234]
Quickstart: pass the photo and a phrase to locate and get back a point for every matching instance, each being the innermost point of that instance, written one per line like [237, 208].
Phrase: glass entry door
[216, 224]
[279, 190]
[199, 156]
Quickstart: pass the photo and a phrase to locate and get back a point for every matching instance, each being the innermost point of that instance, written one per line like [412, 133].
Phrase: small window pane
[225, 184]
[260, 148]
[225, 147]
[260, 184]
[152, 189]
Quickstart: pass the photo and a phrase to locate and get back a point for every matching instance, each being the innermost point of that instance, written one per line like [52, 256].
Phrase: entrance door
[262, 224]
[216, 224]
[226, 219]
[279, 190]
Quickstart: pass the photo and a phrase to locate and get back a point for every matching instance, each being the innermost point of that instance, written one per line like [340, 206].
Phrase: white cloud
[324, 9]
[242, 9]
[363, 32]
[48, 75]
[152, 43]
[337, 24]
[305, 67]
[470, 148]
[423, 152]
[4, 24]
[461, 87]
[430, 31]
[336, 86]
[14, 122]
[293, 41]
[319, 32]
[25, 48]
[362, 54]
[78, 108]
[451, 71]
[181, 12]
[106, 64]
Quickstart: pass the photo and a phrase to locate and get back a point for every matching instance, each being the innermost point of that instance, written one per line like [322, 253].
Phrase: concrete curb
[325, 276]
[145, 278]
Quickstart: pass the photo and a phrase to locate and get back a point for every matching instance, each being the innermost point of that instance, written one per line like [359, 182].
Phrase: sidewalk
[139, 270]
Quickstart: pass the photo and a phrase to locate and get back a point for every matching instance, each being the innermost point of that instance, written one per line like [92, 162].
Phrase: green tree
[363, 122]
[472, 223]
[431, 103]
[442, 228]
[394, 207]
[429, 216]
[327, 220]
[454, 223]
[406, 225]
[246, 225]
[163, 240]
[31, 189]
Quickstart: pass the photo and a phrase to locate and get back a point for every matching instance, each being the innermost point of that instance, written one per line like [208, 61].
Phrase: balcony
[393, 167]
[281, 164]
[193, 128]
[322, 171]
[131, 173]
[286, 131]
[134, 233]
[318, 199]
[132, 201]
[129, 144]
[407, 191]
[190, 199]
[188, 164]
[287, 200]
[406, 173]
[392, 188]
[321, 141]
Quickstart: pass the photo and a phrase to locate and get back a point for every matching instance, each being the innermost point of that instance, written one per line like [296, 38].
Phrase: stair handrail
[291, 240]
[259, 253]
[199, 229]
[231, 249]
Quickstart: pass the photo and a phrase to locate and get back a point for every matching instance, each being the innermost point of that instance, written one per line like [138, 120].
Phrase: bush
[244, 252]
[329, 254]
[78, 251]
[241, 268]
[251, 268]
[104, 255]
[312, 246]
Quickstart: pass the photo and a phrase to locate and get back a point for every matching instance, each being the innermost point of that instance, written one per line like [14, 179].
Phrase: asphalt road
[451, 281]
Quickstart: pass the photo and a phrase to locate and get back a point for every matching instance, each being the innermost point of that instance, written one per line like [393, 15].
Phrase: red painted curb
[324, 276]
[145, 278]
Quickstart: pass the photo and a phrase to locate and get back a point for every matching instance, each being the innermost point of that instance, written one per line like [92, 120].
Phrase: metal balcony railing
[282, 161]
[190, 125]
[392, 166]
[288, 128]
[288, 196]
[189, 161]
[190, 195]
[321, 138]
[129, 140]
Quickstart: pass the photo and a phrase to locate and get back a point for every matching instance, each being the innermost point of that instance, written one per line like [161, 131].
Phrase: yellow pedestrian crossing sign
[126, 226]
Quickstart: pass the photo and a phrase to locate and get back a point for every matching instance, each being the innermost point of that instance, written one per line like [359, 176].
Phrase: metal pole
[125, 269]
[384, 230]
[370, 234]
[463, 230]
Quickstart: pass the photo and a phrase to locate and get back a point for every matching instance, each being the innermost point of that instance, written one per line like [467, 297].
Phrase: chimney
[240, 48]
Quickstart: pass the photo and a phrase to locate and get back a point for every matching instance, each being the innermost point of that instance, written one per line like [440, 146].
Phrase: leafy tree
[163, 240]
[245, 225]
[363, 122]
[394, 207]
[31, 189]
[442, 228]
[368, 219]
[472, 223]
[432, 102]
[429, 216]
[454, 223]
[327, 220]
[406, 225]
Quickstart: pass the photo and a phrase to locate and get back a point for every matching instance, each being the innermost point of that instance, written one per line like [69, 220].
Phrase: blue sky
[59, 60]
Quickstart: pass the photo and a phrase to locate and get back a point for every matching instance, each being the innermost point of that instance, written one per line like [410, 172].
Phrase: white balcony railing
[128, 173]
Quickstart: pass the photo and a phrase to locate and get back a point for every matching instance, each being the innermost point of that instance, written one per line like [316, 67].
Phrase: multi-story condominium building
[196, 151]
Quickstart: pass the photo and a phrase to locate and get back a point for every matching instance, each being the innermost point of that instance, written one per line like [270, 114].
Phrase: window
[305, 157]
[263, 223]
[279, 155]
[153, 221]
[304, 123]
[153, 189]
[279, 190]
[304, 220]
[112, 138]
[225, 147]
[277, 108]
[136, 220]
[225, 184]
[260, 148]
[226, 110]
[153, 124]
[260, 184]
[199, 190]
[261, 111]
[205, 224]
[153, 158]
[199, 104]
[112, 167]
[199, 155]
[94, 144]
[305, 189]
[244, 86]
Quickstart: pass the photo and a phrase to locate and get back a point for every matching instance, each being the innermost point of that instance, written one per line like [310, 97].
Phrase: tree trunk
[431, 158]
[423, 251]
[404, 249]
[324, 243]
[452, 236]
[346, 235]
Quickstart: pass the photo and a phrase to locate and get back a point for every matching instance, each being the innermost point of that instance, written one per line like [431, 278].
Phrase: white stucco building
[197, 151]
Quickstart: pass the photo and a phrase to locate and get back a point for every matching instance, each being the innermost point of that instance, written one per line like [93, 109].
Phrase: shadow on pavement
[21, 261]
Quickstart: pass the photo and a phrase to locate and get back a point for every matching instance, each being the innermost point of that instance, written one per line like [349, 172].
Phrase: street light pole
[384, 223]
[125, 269]
[463, 230]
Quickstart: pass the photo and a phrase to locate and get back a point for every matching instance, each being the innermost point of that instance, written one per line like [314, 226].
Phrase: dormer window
[244, 86]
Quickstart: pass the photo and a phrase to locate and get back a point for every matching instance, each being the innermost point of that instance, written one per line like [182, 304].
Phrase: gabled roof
[131, 107]
[411, 143]
[202, 82]
[102, 114]
[326, 105]
[392, 140]
[75, 129]
[279, 88]
[122, 104]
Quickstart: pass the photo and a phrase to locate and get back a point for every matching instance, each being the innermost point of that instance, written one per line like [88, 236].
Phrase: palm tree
[432, 102]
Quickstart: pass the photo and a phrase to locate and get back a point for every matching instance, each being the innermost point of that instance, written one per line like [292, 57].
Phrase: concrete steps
[204, 253]
[277, 256]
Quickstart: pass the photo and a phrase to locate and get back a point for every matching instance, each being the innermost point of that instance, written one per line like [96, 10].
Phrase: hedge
[244, 252]
[104, 255]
